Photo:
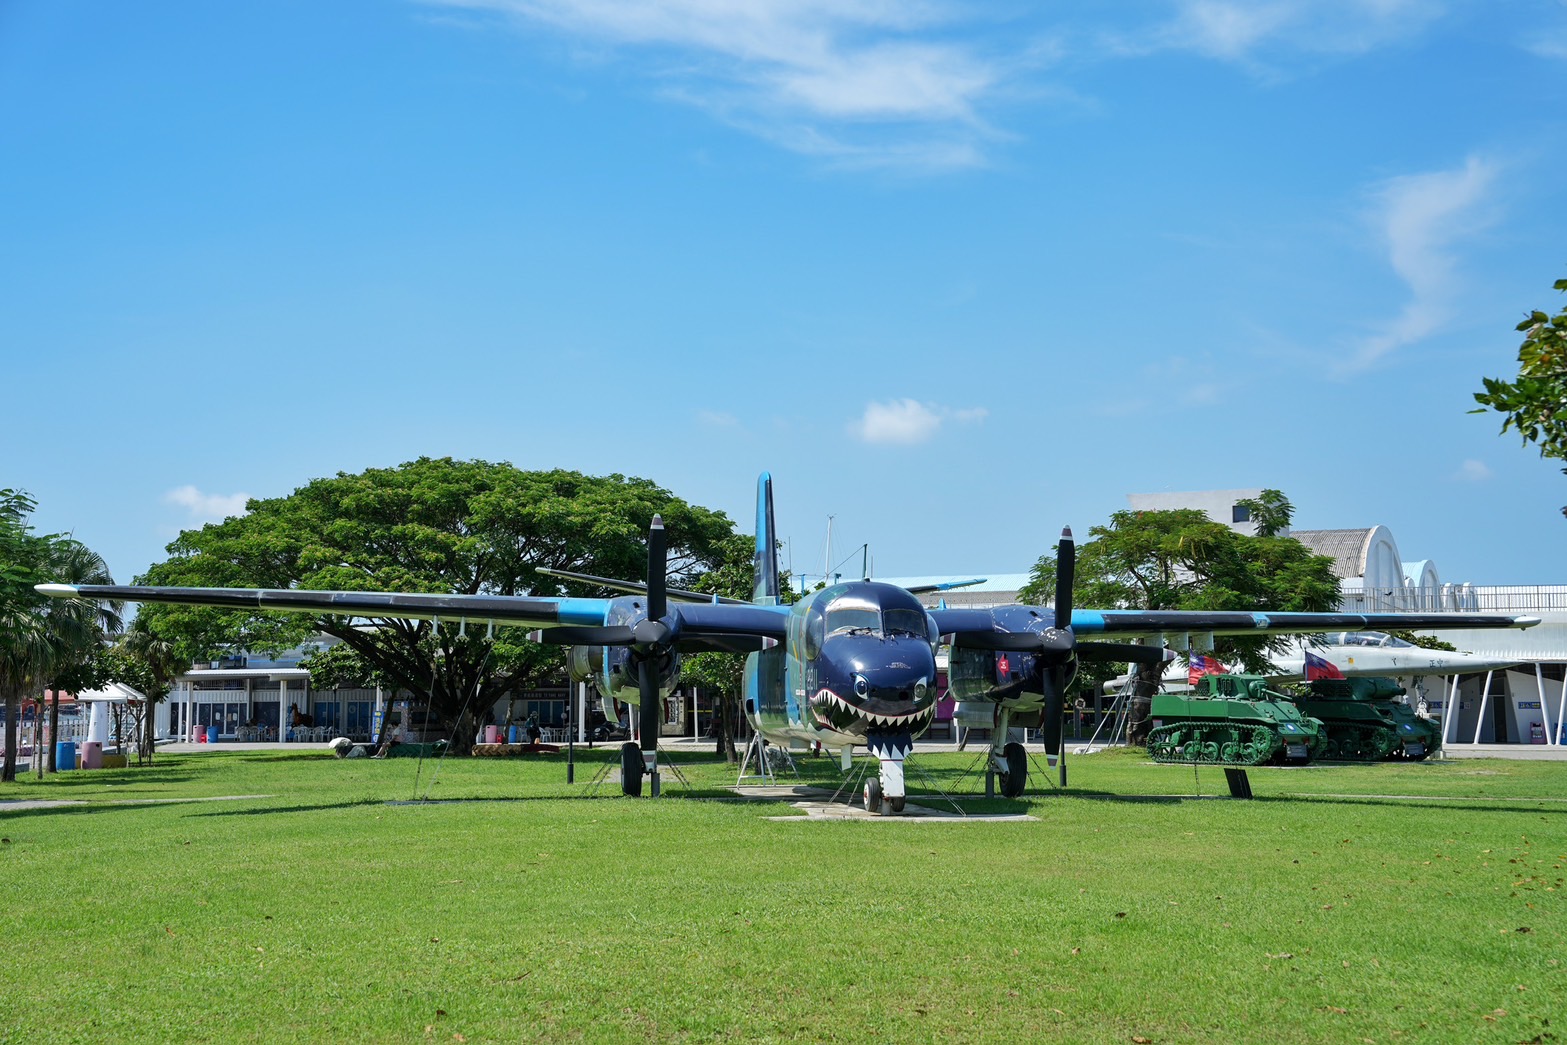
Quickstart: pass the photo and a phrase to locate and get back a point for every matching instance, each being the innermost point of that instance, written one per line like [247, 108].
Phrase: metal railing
[1459, 598]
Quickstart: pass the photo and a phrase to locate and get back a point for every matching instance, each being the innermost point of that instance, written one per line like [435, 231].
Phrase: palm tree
[160, 663]
[78, 628]
[23, 637]
[41, 639]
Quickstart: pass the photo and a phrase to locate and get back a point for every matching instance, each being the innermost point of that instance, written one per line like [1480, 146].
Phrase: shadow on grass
[308, 808]
[120, 779]
[1479, 804]
[78, 808]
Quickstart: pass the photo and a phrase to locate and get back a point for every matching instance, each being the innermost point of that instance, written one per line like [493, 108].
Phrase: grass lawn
[1417, 902]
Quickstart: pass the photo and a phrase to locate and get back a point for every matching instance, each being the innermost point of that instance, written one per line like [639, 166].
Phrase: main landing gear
[631, 769]
[1008, 759]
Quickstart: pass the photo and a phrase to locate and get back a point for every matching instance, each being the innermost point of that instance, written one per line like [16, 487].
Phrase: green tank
[1232, 720]
[1366, 722]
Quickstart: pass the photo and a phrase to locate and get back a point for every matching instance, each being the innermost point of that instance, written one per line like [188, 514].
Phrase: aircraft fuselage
[858, 667]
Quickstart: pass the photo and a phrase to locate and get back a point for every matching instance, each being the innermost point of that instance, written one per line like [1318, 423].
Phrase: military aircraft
[848, 666]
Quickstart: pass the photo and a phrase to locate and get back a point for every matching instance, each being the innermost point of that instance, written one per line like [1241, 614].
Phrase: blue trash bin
[212, 734]
[65, 755]
[513, 735]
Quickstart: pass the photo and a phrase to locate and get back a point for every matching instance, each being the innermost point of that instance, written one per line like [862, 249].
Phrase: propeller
[652, 640]
[653, 637]
[1064, 640]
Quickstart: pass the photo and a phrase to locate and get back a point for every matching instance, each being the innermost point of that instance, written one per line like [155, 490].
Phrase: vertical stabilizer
[765, 558]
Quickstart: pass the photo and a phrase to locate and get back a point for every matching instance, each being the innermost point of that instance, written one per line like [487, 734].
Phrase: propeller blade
[1131, 653]
[657, 570]
[1066, 571]
[607, 635]
[647, 690]
[1055, 707]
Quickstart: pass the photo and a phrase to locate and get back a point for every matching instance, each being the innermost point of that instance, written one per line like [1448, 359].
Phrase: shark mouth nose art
[835, 712]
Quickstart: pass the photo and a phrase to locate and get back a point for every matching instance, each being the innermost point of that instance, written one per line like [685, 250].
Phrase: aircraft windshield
[1372, 638]
[905, 622]
[844, 617]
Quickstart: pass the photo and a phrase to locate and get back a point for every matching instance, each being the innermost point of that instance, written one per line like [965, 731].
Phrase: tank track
[1358, 743]
[1213, 743]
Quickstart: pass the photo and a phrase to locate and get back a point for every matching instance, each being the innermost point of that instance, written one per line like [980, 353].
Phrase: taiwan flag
[1321, 668]
[1203, 665]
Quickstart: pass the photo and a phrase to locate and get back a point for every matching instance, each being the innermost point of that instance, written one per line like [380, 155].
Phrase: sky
[956, 274]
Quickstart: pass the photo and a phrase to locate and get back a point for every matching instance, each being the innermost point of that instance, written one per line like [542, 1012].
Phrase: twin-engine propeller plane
[848, 666]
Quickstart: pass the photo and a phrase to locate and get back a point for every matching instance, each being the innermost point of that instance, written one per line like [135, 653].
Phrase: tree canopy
[1182, 560]
[431, 525]
[1535, 404]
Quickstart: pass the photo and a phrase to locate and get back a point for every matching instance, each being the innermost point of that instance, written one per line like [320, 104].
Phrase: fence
[1460, 598]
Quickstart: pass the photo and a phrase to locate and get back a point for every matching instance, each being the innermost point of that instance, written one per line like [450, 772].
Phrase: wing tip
[58, 591]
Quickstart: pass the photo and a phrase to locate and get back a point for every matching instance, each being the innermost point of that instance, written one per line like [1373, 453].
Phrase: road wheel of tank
[631, 769]
[873, 795]
[1230, 752]
[1016, 776]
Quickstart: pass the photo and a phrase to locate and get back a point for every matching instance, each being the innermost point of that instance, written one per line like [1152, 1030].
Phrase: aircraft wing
[1089, 623]
[1218, 622]
[503, 609]
[737, 628]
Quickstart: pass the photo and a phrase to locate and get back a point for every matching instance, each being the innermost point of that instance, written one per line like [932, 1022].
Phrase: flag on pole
[1321, 668]
[1203, 665]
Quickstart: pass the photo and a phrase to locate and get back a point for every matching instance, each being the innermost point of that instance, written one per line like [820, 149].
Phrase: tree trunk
[38, 737]
[723, 736]
[1144, 685]
[13, 712]
[54, 728]
[462, 731]
[149, 737]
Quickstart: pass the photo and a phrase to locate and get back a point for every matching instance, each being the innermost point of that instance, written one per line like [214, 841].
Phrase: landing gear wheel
[896, 804]
[873, 795]
[1016, 775]
[631, 769]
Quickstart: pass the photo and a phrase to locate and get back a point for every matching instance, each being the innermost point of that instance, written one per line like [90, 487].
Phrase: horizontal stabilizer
[638, 588]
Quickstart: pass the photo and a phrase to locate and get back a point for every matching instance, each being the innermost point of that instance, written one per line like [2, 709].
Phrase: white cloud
[861, 81]
[1472, 471]
[907, 421]
[207, 507]
[718, 419]
[1249, 31]
[1421, 218]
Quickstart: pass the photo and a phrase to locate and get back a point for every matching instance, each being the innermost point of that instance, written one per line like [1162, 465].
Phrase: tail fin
[765, 590]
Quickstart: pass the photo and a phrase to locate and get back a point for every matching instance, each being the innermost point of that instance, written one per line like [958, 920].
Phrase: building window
[1239, 514]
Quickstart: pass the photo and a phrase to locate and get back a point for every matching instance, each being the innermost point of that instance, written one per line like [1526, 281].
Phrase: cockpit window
[844, 617]
[1373, 638]
[906, 622]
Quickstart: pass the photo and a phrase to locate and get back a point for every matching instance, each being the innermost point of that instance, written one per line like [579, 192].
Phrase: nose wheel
[878, 803]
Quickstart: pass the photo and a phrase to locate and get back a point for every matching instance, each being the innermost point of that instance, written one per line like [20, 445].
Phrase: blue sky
[957, 274]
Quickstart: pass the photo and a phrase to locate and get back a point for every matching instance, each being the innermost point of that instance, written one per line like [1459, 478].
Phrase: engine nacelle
[612, 670]
[991, 675]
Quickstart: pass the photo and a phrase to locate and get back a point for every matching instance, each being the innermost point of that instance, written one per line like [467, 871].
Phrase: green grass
[1130, 910]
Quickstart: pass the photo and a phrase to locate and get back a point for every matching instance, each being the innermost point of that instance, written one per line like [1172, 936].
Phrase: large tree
[1535, 405]
[1182, 560]
[431, 525]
